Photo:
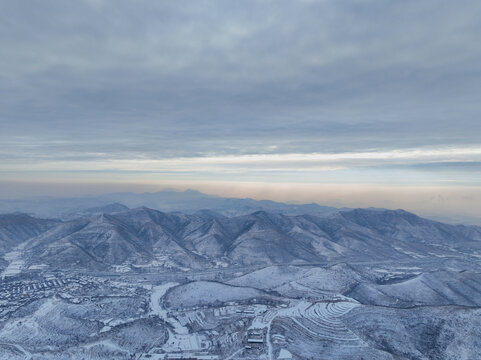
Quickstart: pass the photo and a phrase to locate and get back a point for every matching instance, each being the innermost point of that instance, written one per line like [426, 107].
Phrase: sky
[341, 102]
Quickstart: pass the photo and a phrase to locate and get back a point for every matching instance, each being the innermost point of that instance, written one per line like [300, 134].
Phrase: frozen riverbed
[155, 303]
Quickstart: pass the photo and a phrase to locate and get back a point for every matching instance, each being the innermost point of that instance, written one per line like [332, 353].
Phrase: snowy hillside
[116, 283]
[143, 237]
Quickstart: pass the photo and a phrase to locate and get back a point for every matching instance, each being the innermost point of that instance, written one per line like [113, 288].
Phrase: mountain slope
[439, 287]
[146, 237]
[17, 228]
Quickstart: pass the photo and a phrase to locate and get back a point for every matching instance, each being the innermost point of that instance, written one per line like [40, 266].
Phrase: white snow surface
[208, 292]
[158, 293]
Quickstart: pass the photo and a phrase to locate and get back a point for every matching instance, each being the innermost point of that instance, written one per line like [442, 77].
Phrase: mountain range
[144, 237]
[188, 201]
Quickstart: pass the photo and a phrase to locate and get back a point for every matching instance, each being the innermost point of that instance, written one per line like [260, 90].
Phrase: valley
[142, 284]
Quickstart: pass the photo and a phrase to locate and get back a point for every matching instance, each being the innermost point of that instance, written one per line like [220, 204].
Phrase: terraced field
[323, 320]
[319, 325]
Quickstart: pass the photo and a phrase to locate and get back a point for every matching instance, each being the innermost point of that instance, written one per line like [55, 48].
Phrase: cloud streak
[420, 166]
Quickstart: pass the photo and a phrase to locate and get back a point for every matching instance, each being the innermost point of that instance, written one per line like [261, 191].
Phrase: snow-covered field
[208, 293]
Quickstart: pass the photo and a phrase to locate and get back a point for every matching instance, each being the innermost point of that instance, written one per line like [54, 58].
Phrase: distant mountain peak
[108, 208]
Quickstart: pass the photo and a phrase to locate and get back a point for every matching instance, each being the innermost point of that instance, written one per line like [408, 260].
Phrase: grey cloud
[163, 79]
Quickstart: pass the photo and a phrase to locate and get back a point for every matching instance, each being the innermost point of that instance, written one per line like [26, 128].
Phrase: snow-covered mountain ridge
[150, 238]
[110, 282]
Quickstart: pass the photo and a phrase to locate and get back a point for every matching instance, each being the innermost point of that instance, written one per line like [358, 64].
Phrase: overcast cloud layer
[311, 91]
